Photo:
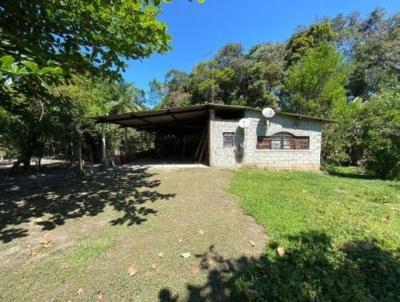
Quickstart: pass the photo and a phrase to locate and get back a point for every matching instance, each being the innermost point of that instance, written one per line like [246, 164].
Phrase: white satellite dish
[268, 112]
[244, 123]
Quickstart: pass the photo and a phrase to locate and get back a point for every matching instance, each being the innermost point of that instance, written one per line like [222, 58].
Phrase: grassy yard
[120, 235]
[338, 236]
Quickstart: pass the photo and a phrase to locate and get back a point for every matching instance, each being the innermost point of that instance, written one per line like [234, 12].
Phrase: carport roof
[185, 117]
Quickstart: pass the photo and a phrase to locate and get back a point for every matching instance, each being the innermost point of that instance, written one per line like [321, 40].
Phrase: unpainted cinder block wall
[249, 155]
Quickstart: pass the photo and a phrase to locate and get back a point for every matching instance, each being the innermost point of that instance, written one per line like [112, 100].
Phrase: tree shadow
[348, 172]
[315, 269]
[52, 201]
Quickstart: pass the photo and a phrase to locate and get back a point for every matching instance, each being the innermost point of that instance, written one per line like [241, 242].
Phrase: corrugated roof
[185, 116]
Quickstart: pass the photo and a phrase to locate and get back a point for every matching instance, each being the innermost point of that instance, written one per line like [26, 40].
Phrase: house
[233, 136]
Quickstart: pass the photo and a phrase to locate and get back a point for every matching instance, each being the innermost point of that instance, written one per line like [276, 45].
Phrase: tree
[373, 44]
[94, 97]
[381, 128]
[316, 84]
[266, 74]
[81, 36]
[300, 43]
[173, 91]
[47, 41]
[239, 78]
[342, 139]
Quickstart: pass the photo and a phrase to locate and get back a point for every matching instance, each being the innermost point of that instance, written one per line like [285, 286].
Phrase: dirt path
[128, 247]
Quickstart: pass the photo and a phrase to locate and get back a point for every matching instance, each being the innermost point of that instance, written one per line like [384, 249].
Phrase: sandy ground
[135, 234]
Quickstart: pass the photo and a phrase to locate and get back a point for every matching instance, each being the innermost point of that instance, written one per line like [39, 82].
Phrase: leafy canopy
[315, 85]
[381, 128]
[81, 36]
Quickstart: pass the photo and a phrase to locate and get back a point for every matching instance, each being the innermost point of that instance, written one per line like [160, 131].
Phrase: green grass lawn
[341, 235]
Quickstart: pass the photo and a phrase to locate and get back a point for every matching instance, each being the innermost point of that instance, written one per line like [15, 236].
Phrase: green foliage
[381, 128]
[339, 235]
[300, 43]
[45, 42]
[231, 77]
[172, 92]
[342, 143]
[373, 44]
[315, 85]
[81, 36]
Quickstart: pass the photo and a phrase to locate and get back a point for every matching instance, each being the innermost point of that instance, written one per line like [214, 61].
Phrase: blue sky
[199, 30]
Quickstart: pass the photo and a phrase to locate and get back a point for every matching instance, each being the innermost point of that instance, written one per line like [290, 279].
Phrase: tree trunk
[81, 172]
[26, 158]
[72, 159]
[104, 159]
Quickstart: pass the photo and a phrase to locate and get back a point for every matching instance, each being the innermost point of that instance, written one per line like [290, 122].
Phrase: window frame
[230, 135]
[283, 141]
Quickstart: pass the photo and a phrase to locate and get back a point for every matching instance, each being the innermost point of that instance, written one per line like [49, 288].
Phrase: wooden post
[210, 135]
[126, 145]
[81, 172]
[196, 155]
[72, 153]
[103, 147]
[141, 141]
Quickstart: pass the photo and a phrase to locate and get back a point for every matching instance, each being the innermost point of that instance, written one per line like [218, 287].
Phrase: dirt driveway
[129, 235]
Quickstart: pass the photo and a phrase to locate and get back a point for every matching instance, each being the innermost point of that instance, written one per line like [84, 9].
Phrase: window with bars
[229, 139]
[282, 141]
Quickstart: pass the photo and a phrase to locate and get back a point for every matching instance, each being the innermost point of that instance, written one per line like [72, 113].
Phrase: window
[283, 140]
[229, 139]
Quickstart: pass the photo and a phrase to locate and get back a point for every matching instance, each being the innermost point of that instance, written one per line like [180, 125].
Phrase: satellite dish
[268, 112]
[244, 123]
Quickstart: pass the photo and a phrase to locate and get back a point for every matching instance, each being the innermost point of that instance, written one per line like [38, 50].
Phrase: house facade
[281, 142]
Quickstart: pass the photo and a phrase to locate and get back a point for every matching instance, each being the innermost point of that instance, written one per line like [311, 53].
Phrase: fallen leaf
[160, 255]
[201, 232]
[185, 255]
[281, 251]
[99, 296]
[252, 243]
[195, 270]
[79, 291]
[153, 266]
[45, 240]
[180, 240]
[132, 270]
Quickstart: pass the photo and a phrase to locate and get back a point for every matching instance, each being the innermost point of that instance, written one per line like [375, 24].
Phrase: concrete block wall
[277, 159]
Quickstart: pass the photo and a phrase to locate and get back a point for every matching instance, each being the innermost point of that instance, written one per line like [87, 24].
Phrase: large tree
[44, 42]
[316, 84]
[381, 128]
[300, 43]
[81, 36]
[373, 44]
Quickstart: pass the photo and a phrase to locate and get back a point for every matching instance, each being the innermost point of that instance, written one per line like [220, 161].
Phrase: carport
[187, 128]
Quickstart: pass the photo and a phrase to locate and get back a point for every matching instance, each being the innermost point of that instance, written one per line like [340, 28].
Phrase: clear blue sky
[199, 30]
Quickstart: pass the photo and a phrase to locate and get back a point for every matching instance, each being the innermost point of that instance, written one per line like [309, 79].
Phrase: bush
[381, 132]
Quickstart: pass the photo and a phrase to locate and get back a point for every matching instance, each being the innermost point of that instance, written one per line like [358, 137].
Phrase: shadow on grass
[313, 270]
[51, 203]
[348, 172]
